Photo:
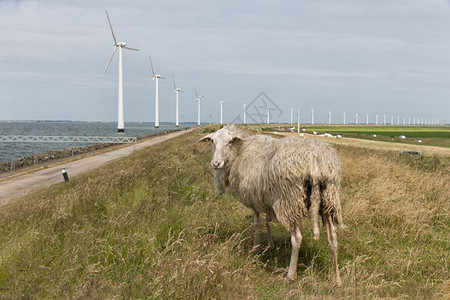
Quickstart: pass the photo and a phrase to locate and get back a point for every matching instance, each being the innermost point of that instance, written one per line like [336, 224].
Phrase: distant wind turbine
[120, 45]
[221, 111]
[198, 101]
[292, 116]
[268, 114]
[312, 116]
[155, 78]
[176, 90]
[244, 108]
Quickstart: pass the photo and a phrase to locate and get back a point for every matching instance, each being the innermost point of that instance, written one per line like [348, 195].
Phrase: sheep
[286, 179]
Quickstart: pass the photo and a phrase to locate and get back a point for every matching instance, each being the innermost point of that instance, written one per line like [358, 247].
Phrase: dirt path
[22, 185]
[425, 150]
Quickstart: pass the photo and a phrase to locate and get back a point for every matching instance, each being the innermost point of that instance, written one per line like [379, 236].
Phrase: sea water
[14, 150]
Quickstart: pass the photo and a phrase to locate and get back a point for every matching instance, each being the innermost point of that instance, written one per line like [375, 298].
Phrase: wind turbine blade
[196, 92]
[162, 77]
[110, 26]
[129, 48]
[174, 86]
[151, 85]
[153, 70]
[110, 58]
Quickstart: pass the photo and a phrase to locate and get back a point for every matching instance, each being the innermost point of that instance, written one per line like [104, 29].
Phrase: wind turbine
[292, 116]
[155, 78]
[176, 90]
[221, 111]
[268, 114]
[312, 116]
[244, 108]
[198, 101]
[120, 45]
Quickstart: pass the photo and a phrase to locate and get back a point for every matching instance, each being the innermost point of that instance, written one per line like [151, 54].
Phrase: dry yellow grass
[150, 227]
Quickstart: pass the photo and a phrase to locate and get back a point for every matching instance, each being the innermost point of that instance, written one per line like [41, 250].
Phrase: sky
[384, 57]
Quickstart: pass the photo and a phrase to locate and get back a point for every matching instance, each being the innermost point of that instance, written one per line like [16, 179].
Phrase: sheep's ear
[206, 138]
[238, 138]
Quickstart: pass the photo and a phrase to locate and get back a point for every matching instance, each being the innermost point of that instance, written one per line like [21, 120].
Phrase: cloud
[321, 52]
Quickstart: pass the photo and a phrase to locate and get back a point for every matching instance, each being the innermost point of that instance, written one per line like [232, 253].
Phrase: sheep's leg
[333, 244]
[296, 240]
[257, 230]
[314, 211]
[269, 231]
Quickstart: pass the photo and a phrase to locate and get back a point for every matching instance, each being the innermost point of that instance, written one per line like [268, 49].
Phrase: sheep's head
[223, 141]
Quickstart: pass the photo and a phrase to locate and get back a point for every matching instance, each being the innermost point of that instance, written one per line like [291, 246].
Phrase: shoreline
[52, 156]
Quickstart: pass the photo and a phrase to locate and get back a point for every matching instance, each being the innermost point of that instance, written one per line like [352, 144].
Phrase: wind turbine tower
[244, 107]
[298, 121]
[198, 102]
[155, 78]
[312, 116]
[118, 45]
[176, 90]
[221, 111]
[268, 114]
[292, 116]
[329, 117]
[344, 114]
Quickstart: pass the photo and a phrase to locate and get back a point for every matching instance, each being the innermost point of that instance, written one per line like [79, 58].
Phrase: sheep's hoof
[289, 280]
[337, 282]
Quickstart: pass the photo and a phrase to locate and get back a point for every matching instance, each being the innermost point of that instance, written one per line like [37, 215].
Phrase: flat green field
[430, 135]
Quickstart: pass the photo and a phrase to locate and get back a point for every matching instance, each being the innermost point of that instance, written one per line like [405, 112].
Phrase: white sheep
[284, 178]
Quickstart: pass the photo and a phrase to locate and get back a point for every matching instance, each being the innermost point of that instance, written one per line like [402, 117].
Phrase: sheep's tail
[331, 204]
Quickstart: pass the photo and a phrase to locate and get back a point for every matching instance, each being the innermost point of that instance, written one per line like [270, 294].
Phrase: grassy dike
[149, 226]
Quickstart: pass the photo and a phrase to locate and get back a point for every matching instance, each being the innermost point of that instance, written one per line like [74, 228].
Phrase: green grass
[430, 135]
[150, 227]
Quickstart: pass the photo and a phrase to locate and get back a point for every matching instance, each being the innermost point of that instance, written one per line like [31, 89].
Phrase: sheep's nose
[216, 164]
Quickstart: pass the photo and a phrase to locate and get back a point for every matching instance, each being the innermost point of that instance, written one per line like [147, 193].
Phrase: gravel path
[24, 184]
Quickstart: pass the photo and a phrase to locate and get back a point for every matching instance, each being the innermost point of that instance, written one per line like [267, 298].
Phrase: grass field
[149, 226]
[430, 135]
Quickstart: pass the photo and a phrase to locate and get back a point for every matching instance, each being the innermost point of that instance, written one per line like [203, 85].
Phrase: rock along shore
[48, 156]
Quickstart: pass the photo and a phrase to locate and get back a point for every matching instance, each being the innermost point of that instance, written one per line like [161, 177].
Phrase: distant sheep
[286, 178]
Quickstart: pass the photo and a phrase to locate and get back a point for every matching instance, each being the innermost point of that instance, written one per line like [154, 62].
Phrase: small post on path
[65, 175]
